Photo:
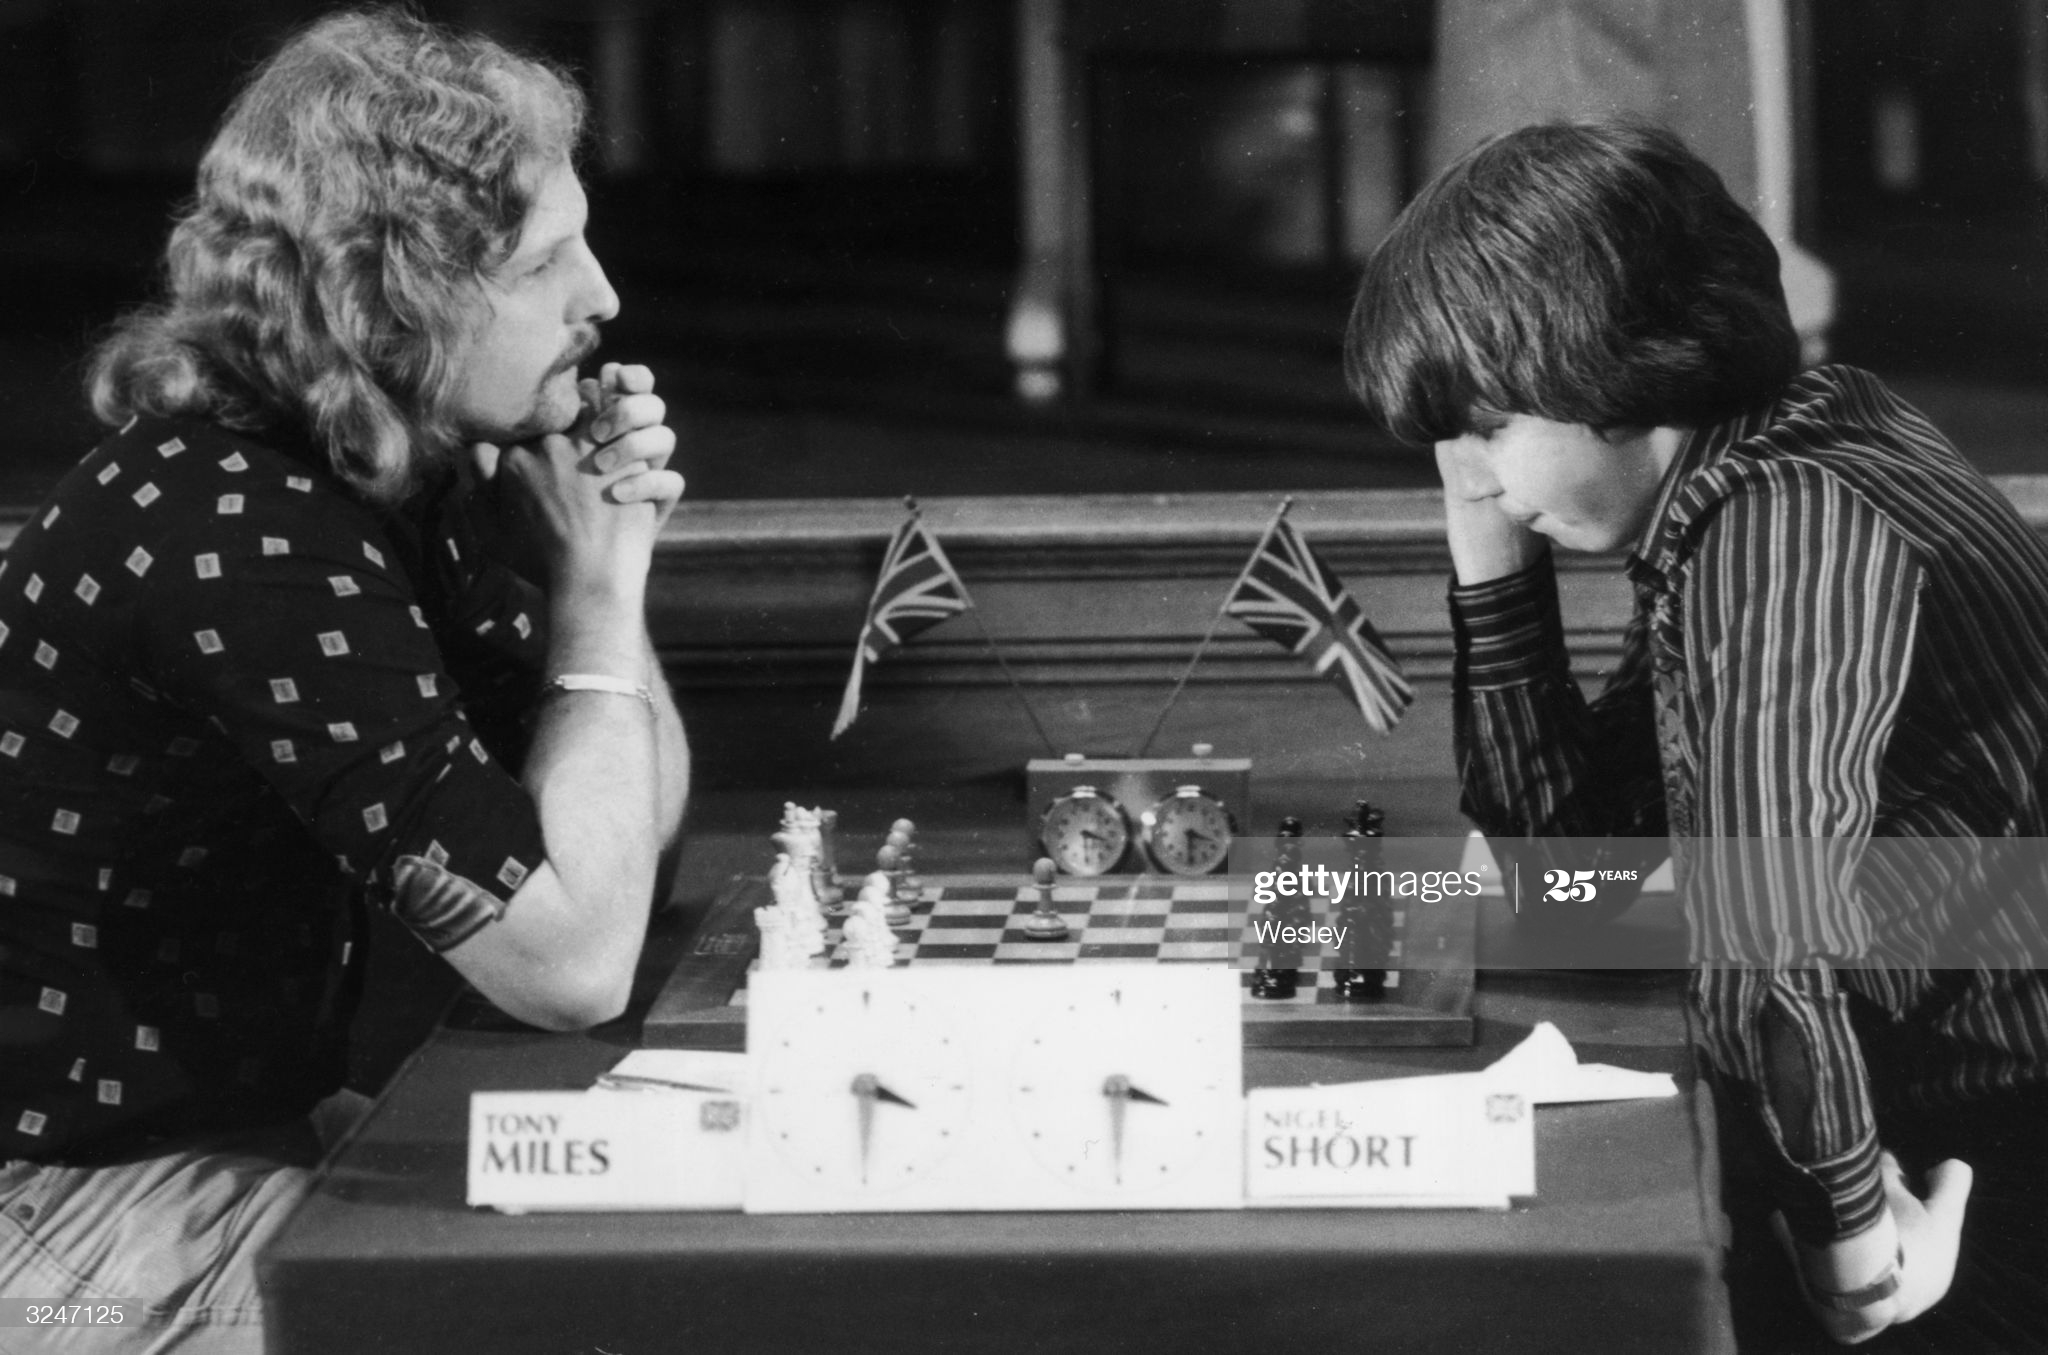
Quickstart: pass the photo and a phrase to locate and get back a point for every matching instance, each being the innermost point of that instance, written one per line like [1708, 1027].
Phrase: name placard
[1452, 1141]
[605, 1150]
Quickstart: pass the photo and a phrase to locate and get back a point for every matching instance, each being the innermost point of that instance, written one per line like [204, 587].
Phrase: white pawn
[881, 889]
[870, 944]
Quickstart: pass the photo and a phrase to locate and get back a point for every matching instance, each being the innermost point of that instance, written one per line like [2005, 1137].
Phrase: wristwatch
[1856, 1300]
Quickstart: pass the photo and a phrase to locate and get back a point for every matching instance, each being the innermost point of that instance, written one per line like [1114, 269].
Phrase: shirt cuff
[1509, 631]
[1837, 1197]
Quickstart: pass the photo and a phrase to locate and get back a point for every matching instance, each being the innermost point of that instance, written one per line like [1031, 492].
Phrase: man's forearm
[564, 953]
[672, 753]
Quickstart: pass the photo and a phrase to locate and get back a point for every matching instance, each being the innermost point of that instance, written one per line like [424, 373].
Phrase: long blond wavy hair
[360, 186]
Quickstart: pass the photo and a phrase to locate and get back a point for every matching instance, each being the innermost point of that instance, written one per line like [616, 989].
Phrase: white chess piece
[789, 881]
[778, 945]
[870, 944]
[880, 888]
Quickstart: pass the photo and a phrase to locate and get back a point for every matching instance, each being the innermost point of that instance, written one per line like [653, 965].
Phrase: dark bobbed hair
[359, 188]
[1586, 273]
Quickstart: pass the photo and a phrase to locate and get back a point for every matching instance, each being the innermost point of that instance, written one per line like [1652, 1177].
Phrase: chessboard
[979, 920]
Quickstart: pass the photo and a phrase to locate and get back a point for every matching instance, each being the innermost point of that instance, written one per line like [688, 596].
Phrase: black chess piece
[1279, 972]
[1366, 916]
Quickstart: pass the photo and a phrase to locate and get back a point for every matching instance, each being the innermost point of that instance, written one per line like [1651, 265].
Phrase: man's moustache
[580, 349]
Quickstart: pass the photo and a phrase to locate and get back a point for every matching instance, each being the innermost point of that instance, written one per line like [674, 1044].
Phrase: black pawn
[1279, 972]
[1367, 919]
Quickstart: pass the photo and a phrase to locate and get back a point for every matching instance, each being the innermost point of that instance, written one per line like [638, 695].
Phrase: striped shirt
[1840, 633]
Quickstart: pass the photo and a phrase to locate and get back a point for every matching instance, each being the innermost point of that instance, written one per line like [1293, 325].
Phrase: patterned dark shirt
[235, 703]
[1840, 634]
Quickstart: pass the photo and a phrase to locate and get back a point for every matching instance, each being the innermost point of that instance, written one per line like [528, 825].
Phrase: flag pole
[1215, 622]
[1052, 749]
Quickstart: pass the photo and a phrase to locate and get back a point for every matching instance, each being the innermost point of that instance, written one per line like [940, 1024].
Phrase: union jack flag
[1288, 594]
[916, 591]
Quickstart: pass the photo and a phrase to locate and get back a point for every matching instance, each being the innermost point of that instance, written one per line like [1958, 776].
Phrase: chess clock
[1109, 1086]
[862, 1086]
[1188, 832]
[1117, 1094]
[1124, 789]
[1085, 832]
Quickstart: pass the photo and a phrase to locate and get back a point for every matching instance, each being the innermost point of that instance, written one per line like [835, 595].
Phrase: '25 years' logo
[1569, 886]
[1577, 886]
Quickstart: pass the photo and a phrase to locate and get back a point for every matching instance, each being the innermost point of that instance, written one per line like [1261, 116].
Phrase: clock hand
[1117, 1088]
[868, 1089]
[1121, 1092]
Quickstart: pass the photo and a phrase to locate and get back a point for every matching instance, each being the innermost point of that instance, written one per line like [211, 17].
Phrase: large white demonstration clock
[862, 1089]
[968, 1088]
[1125, 1092]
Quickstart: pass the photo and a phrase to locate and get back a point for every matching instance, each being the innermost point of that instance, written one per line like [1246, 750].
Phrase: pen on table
[635, 1082]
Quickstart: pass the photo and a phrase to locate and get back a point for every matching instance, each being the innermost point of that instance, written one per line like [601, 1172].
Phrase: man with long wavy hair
[261, 663]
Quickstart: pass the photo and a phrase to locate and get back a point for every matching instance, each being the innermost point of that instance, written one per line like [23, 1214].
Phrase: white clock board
[1103, 1086]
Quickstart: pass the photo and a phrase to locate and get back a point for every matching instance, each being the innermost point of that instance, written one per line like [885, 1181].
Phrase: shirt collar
[1679, 496]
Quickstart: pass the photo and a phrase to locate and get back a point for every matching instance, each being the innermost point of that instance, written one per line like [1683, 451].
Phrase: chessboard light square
[1129, 922]
[969, 913]
[1121, 950]
[944, 938]
[1110, 905]
[1210, 950]
[1019, 950]
[1219, 921]
[1148, 937]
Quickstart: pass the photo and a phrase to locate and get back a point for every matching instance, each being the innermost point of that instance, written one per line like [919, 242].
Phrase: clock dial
[1085, 832]
[864, 1089]
[1188, 833]
[1119, 1093]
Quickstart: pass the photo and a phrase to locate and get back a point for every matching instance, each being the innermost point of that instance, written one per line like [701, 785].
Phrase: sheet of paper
[1546, 1069]
[698, 1070]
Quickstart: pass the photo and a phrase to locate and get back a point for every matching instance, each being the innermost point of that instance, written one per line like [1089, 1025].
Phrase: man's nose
[1475, 480]
[596, 301]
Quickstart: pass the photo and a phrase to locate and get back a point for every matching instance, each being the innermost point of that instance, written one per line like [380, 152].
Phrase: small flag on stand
[1286, 593]
[1289, 595]
[916, 591]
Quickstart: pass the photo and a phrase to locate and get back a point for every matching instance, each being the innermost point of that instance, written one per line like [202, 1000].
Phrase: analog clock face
[1119, 1094]
[863, 1090]
[1188, 833]
[1085, 833]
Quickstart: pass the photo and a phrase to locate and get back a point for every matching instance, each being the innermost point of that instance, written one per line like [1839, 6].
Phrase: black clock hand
[1121, 1093]
[869, 1087]
[1120, 1087]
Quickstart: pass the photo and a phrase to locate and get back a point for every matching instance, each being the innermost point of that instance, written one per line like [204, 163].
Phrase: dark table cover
[1618, 1251]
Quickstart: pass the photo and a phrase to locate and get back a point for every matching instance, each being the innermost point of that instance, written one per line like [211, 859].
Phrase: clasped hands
[1921, 1237]
[574, 484]
[619, 437]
